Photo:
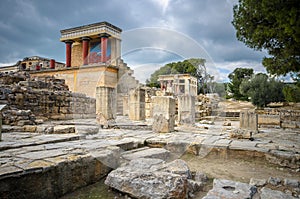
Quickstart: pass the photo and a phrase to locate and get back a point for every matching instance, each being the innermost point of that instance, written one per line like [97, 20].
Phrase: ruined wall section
[32, 100]
[284, 118]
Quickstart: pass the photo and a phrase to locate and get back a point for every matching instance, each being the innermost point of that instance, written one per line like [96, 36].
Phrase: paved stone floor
[29, 152]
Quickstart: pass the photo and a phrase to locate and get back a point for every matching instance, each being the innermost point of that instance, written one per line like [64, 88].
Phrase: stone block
[269, 193]
[249, 120]
[163, 109]
[125, 105]
[227, 189]
[106, 104]
[186, 109]
[153, 178]
[137, 104]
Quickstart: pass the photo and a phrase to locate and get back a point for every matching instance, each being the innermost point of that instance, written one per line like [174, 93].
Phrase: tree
[262, 90]
[236, 78]
[189, 66]
[273, 26]
[292, 93]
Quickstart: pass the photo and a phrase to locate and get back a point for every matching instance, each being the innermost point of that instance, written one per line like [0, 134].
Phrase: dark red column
[104, 38]
[68, 53]
[85, 50]
[52, 63]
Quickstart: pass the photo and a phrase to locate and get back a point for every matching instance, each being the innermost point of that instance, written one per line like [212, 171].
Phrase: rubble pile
[29, 99]
[205, 105]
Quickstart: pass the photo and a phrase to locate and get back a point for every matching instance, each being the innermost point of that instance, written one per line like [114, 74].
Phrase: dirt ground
[241, 170]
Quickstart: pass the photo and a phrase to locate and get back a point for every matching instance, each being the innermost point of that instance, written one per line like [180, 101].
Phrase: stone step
[146, 152]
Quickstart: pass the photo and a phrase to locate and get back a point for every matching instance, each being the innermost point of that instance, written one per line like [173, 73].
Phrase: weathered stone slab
[109, 157]
[139, 181]
[274, 181]
[210, 140]
[63, 129]
[159, 153]
[152, 178]
[38, 155]
[291, 183]
[6, 171]
[258, 182]
[222, 143]
[242, 145]
[267, 193]
[87, 130]
[227, 189]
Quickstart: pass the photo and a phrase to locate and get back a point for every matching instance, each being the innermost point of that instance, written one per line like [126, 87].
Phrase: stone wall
[150, 92]
[29, 99]
[285, 118]
[84, 79]
[205, 105]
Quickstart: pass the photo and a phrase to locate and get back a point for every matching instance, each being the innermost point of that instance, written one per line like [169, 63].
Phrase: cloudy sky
[155, 32]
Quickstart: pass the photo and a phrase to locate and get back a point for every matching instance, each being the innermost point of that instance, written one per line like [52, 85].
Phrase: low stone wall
[45, 98]
[279, 117]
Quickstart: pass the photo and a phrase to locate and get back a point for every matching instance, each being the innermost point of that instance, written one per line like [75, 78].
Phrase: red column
[52, 63]
[85, 50]
[68, 53]
[104, 38]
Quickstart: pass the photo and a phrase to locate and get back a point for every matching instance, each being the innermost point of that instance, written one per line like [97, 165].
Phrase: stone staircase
[126, 82]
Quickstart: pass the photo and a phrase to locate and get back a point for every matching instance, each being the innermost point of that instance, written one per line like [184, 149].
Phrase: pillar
[163, 110]
[106, 104]
[52, 63]
[85, 50]
[186, 109]
[137, 104]
[68, 52]
[125, 105]
[104, 38]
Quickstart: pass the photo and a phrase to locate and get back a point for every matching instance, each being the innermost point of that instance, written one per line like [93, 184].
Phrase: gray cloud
[181, 28]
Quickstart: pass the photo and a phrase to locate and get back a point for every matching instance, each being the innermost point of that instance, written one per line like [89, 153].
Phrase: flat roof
[92, 25]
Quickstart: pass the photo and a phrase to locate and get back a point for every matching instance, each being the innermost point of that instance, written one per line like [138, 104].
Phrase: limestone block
[258, 182]
[248, 120]
[227, 189]
[163, 110]
[274, 181]
[137, 104]
[267, 193]
[106, 102]
[62, 129]
[186, 109]
[152, 178]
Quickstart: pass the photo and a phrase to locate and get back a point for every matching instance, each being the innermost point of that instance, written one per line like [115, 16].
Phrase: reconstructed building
[178, 84]
[94, 65]
[92, 57]
[39, 63]
[92, 44]
[33, 63]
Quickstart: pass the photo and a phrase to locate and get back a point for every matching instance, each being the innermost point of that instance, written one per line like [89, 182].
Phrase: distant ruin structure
[178, 84]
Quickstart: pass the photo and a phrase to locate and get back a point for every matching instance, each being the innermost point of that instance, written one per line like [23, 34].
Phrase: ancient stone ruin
[34, 100]
[67, 127]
